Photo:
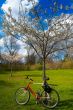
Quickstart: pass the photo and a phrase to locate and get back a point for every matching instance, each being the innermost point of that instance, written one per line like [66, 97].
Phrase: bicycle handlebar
[27, 77]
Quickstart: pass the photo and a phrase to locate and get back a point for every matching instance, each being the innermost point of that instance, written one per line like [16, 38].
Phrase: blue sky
[45, 3]
[67, 5]
[1, 12]
[1, 3]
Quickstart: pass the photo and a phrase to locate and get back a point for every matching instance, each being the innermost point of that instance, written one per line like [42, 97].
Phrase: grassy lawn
[63, 79]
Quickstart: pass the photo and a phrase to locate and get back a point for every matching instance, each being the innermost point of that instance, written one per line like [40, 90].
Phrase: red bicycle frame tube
[32, 92]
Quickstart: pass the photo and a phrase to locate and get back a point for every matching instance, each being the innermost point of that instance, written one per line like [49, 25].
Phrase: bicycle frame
[31, 90]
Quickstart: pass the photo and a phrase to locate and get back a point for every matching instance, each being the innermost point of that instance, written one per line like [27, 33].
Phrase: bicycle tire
[22, 96]
[51, 99]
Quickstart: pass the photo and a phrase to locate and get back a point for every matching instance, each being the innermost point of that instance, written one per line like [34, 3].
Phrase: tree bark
[11, 68]
[44, 70]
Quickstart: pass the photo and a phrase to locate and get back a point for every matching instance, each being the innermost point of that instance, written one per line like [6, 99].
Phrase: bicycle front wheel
[22, 96]
[51, 99]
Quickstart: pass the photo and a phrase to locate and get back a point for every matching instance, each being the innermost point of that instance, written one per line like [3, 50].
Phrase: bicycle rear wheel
[22, 96]
[51, 99]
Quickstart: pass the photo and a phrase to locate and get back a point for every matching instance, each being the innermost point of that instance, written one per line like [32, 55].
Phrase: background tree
[45, 33]
[0, 56]
[30, 57]
[11, 50]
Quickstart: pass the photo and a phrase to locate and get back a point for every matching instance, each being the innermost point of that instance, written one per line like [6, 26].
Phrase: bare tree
[45, 33]
[11, 50]
[30, 57]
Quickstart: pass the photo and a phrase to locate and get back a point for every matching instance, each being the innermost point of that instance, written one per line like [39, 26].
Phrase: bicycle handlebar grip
[31, 79]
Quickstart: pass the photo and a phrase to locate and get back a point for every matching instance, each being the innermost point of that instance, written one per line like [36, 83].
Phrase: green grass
[63, 79]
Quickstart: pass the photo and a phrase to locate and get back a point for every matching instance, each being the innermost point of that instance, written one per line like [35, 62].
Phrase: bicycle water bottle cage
[47, 88]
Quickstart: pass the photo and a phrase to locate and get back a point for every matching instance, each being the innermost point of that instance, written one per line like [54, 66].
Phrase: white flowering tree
[45, 33]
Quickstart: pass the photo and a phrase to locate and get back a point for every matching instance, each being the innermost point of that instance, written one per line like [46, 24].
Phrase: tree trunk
[11, 69]
[44, 70]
